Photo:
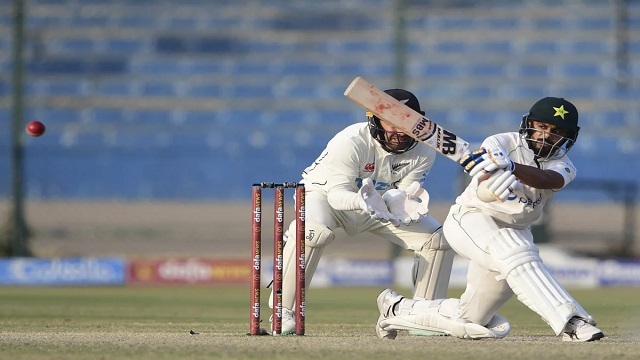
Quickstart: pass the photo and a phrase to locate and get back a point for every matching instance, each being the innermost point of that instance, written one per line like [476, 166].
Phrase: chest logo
[369, 167]
[399, 166]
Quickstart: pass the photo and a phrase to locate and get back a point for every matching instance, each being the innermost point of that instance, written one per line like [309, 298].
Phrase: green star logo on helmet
[560, 111]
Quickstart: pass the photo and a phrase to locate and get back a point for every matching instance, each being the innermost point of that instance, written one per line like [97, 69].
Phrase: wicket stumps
[278, 245]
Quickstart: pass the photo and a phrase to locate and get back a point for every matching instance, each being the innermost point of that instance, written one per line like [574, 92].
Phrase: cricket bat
[406, 119]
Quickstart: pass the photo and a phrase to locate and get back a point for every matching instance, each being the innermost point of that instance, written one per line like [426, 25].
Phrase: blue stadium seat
[242, 118]
[351, 69]
[183, 44]
[500, 23]
[108, 116]
[551, 23]
[124, 46]
[78, 21]
[38, 21]
[293, 117]
[58, 66]
[445, 70]
[182, 23]
[252, 66]
[55, 115]
[598, 46]
[524, 91]
[250, 91]
[541, 47]
[158, 89]
[356, 46]
[323, 20]
[455, 22]
[109, 88]
[297, 91]
[502, 47]
[452, 46]
[107, 65]
[74, 86]
[152, 117]
[532, 70]
[137, 21]
[478, 92]
[224, 22]
[77, 45]
[573, 70]
[605, 118]
[602, 22]
[199, 66]
[197, 118]
[487, 70]
[156, 66]
[303, 68]
[204, 90]
[78, 65]
[575, 92]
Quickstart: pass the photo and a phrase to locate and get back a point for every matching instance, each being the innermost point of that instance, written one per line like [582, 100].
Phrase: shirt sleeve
[565, 168]
[342, 165]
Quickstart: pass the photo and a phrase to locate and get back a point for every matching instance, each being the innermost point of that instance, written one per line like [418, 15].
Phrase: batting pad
[317, 236]
[520, 264]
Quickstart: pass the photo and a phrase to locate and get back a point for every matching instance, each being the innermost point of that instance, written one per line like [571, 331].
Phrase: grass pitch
[155, 323]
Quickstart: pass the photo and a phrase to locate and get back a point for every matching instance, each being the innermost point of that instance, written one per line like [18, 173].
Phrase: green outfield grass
[154, 323]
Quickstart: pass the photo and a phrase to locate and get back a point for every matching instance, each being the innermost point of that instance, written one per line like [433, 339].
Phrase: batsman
[490, 226]
[370, 178]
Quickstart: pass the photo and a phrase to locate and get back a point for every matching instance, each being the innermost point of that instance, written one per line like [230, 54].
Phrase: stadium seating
[177, 93]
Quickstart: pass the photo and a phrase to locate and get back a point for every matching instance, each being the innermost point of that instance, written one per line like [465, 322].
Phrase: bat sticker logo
[446, 142]
[424, 129]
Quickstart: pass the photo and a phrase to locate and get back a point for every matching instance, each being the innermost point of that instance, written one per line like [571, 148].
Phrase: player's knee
[317, 235]
[509, 250]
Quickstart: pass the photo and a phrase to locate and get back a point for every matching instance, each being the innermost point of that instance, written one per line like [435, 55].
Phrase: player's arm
[341, 166]
[558, 174]
[538, 178]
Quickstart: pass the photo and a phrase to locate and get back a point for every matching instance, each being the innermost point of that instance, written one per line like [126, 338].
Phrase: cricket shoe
[288, 326]
[581, 330]
[386, 301]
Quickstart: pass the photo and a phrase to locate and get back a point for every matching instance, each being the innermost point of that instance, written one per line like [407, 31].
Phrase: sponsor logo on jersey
[369, 167]
[530, 202]
[567, 170]
[397, 167]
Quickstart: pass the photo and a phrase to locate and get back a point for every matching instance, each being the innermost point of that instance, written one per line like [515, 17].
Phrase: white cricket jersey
[525, 206]
[352, 155]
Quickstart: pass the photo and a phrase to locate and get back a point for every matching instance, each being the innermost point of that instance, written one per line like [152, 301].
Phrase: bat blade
[406, 119]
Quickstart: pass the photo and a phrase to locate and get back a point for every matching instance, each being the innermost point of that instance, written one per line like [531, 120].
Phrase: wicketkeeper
[369, 179]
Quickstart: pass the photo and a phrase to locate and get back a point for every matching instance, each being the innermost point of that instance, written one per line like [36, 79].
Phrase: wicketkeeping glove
[372, 203]
[409, 205]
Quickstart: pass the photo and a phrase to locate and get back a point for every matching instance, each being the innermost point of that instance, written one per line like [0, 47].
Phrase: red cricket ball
[35, 128]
